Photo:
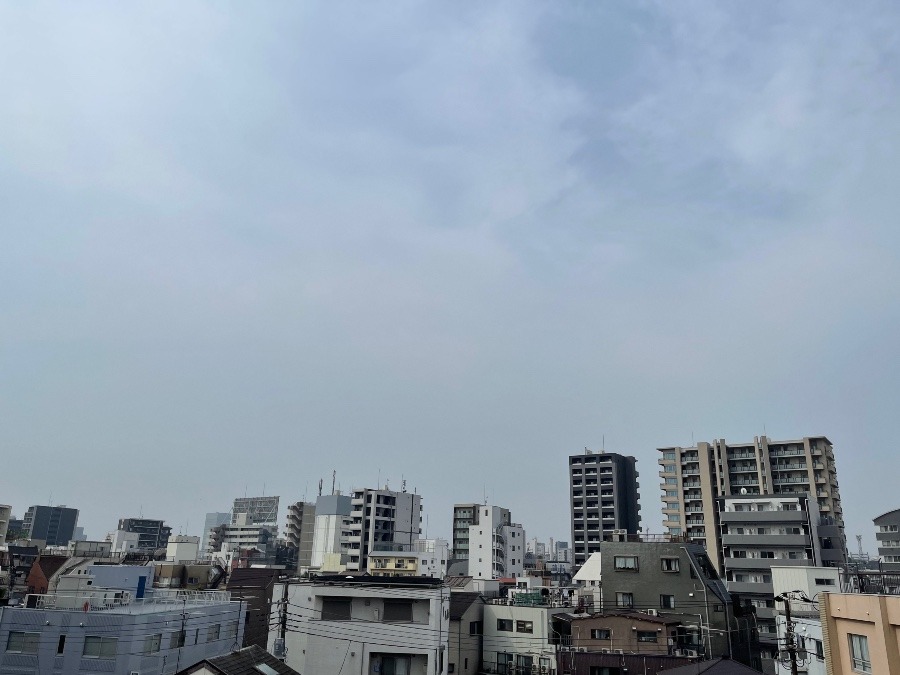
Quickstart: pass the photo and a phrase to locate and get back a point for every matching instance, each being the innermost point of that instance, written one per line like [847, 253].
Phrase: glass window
[625, 562]
[212, 633]
[646, 636]
[601, 633]
[22, 642]
[152, 643]
[398, 610]
[97, 647]
[524, 627]
[504, 624]
[176, 640]
[335, 609]
[624, 599]
[667, 601]
[669, 564]
[859, 653]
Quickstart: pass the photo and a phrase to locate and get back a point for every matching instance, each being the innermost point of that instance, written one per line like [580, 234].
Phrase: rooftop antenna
[403, 484]
[333, 478]
[859, 544]
[320, 487]
[603, 443]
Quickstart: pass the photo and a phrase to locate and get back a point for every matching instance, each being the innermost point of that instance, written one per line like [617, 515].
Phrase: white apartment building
[332, 531]
[485, 537]
[381, 517]
[425, 558]
[374, 626]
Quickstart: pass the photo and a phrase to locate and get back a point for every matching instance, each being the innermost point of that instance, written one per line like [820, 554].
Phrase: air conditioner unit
[653, 612]
[618, 651]
[582, 649]
[689, 652]
[604, 651]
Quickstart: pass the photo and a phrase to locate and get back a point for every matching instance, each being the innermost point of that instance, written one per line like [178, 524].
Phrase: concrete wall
[877, 617]
[535, 644]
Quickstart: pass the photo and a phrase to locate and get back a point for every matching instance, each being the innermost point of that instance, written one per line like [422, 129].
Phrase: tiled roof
[251, 577]
[49, 564]
[243, 662]
[457, 582]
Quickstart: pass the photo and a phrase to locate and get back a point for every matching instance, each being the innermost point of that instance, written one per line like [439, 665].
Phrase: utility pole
[283, 616]
[790, 646]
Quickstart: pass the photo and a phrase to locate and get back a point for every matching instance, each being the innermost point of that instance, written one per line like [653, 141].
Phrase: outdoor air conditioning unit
[582, 649]
[689, 652]
[618, 651]
[604, 651]
[653, 612]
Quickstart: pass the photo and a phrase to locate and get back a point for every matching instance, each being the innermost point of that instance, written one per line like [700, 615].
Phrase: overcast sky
[242, 245]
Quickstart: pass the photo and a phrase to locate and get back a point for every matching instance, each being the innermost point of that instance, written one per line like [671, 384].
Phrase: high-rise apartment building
[487, 541]
[604, 496]
[381, 516]
[54, 525]
[694, 478]
[301, 525]
[331, 534]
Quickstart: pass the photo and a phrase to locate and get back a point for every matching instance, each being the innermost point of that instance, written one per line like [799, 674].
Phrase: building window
[96, 647]
[398, 610]
[476, 627]
[646, 636]
[670, 564]
[601, 634]
[394, 665]
[231, 630]
[824, 582]
[176, 640]
[504, 625]
[335, 609]
[859, 653]
[23, 643]
[152, 643]
[667, 601]
[625, 562]
[61, 645]
[524, 627]
[212, 633]
[624, 600]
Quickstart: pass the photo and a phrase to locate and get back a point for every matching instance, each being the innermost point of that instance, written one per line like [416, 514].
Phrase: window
[819, 649]
[646, 636]
[61, 645]
[176, 640]
[152, 643]
[601, 634]
[504, 624]
[23, 643]
[671, 481]
[625, 562]
[394, 665]
[524, 627]
[669, 564]
[212, 633]
[859, 653]
[476, 627]
[667, 601]
[231, 630]
[624, 600]
[398, 610]
[96, 647]
[335, 609]
[824, 582]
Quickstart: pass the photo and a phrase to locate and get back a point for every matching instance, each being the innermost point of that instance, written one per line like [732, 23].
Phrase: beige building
[693, 478]
[861, 633]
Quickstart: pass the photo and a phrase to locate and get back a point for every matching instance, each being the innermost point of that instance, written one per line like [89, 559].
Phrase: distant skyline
[244, 245]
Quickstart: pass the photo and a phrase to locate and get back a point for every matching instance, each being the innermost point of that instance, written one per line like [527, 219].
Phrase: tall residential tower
[604, 496]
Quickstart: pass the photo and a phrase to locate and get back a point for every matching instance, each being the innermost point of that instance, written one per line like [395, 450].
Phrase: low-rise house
[520, 636]
[368, 625]
[621, 633]
[42, 570]
[247, 661]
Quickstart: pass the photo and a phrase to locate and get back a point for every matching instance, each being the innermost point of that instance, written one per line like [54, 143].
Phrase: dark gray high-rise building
[52, 524]
[604, 496]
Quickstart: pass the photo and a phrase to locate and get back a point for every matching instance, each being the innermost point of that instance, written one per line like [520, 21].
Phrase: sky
[244, 245]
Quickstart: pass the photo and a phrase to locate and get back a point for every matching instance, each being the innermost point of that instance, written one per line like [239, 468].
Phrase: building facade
[5, 517]
[364, 625]
[604, 498]
[300, 531]
[487, 541]
[261, 510]
[887, 534]
[54, 525]
[861, 633]
[694, 478]
[331, 535]
[152, 534]
[381, 517]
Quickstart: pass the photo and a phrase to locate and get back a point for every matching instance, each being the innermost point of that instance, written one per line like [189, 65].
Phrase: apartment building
[604, 498]
[331, 533]
[54, 525]
[301, 525]
[887, 534]
[425, 558]
[693, 478]
[759, 532]
[486, 542]
[151, 534]
[366, 625]
[261, 510]
[861, 633]
[5, 517]
[519, 638]
[381, 517]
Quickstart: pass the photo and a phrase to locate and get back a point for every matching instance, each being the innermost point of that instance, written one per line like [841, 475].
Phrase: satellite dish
[743, 491]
